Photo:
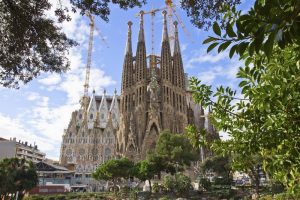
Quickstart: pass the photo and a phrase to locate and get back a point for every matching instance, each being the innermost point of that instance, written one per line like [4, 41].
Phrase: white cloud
[32, 96]
[210, 75]
[52, 79]
[11, 127]
[201, 56]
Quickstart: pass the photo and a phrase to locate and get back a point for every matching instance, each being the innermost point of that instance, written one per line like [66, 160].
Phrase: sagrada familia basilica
[154, 96]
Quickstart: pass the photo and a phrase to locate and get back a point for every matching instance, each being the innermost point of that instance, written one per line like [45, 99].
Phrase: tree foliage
[267, 24]
[30, 43]
[16, 175]
[180, 183]
[203, 12]
[144, 170]
[113, 169]
[263, 120]
[175, 149]
[266, 120]
[101, 8]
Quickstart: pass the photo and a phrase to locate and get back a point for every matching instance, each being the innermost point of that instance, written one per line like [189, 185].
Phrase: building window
[91, 116]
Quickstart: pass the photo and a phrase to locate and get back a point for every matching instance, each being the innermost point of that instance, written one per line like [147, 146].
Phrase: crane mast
[84, 101]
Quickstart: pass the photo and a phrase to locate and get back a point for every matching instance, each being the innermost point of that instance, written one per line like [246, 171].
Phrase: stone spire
[128, 49]
[127, 75]
[92, 111]
[141, 32]
[114, 110]
[103, 111]
[178, 73]
[141, 62]
[176, 44]
[166, 60]
[165, 36]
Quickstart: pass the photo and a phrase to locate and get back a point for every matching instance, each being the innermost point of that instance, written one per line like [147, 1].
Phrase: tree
[101, 8]
[269, 24]
[144, 170]
[203, 12]
[242, 159]
[219, 165]
[159, 164]
[16, 175]
[179, 183]
[265, 120]
[113, 169]
[175, 149]
[31, 43]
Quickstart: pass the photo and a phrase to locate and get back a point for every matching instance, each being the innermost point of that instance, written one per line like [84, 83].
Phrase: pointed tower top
[176, 44]
[141, 32]
[115, 91]
[104, 92]
[128, 49]
[94, 91]
[165, 36]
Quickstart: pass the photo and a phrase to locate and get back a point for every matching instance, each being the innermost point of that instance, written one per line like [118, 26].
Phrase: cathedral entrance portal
[150, 139]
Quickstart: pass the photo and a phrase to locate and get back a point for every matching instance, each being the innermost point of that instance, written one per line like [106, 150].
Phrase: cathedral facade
[87, 145]
[154, 95]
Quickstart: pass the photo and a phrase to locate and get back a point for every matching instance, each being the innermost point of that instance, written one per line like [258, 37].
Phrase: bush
[155, 187]
[277, 188]
[125, 189]
[169, 182]
[205, 183]
[182, 184]
[223, 193]
[164, 198]
[221, 181]
[281, 196]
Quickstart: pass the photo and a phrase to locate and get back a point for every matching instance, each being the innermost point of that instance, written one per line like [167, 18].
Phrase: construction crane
[172, 11]
[170, 7]
[84, 101]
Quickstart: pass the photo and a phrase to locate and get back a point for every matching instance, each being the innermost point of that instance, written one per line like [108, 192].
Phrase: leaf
[229, 31]
[232, 51]
[245, 89]
[242, 47]
[223, 46]
[209, 39]
[248, 61]
[268, 46]
[213, 45]
[259, 38]
[251, 49]
[217, 29]
[243, 83]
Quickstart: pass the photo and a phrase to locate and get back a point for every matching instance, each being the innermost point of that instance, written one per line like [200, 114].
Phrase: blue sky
[39, 111]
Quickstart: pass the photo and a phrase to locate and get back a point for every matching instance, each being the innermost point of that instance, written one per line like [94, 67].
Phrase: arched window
[107, 153]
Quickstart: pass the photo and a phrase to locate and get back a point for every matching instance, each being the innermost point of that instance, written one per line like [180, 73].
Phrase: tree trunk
[114, 185]
[257, 182]
[255, 177]
[150, 186]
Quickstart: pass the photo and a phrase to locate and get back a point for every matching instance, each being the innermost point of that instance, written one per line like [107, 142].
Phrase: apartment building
[13, 148]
